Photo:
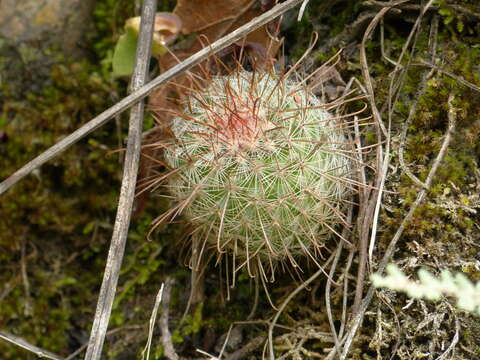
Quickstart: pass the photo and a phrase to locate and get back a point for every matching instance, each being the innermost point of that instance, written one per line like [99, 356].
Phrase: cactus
[259, 167]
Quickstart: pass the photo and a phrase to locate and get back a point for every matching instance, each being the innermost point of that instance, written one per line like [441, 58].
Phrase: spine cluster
[259, 167]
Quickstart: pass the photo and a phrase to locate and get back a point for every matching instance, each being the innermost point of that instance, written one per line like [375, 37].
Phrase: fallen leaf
[200, 15]
[166, 28]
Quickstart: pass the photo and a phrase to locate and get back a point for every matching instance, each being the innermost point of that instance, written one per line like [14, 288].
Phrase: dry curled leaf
[165, 29]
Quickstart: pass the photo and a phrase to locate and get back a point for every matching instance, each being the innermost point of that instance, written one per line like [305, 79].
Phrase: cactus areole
[260, 168]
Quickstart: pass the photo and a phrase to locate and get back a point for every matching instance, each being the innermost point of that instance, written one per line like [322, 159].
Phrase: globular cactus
[259, 168]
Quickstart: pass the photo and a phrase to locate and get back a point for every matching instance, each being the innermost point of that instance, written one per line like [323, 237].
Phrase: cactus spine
[259, 168]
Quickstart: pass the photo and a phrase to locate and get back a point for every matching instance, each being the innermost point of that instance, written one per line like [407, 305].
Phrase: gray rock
[46, 22]
[33, 33]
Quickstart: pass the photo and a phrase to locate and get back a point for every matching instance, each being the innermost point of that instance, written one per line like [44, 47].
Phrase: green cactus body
[260, 169]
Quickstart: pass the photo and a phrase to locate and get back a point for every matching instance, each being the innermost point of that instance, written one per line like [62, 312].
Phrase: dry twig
[355, 324]
[151, 324]
[127, 192]
[456, 337]
[413, 107]
[382, 159]
[414, 7]
[166, 336]
[109, 333]
[248, 348]
[460, 79]
[350, 32]
[27, 346]
[28, 311]
[327, 296]
[288, 299]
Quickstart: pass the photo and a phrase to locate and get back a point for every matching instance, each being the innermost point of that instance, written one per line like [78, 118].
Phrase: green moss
[442, 230]
[191, 325]
[62, 214]
[109, 18]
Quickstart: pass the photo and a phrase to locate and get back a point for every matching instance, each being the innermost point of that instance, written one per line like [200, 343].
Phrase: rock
[33, 33]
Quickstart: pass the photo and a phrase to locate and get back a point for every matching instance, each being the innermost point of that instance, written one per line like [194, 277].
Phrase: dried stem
[27, 346]
[109, 333]
[414, 7]
[127, 192]
[288, 299]
[328, 307]
[391, 247]
[26, 283]
[151, 324]
[460, 79]
[413, 107]
[382, 164]
[166, 335]
[248, 348]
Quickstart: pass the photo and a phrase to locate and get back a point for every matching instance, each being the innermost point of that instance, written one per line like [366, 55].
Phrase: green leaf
[460, 26]
[89, 227]
[68, 280]
[123, 61]
[445, 12]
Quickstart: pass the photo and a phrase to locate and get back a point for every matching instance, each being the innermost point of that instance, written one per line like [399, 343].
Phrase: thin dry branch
[127, 192]
[451, 348]
[460, 79]
[359, 305]
[26, 283]
[413, 106]
[29, 347]
[248, 348]
[382, 159]
[77, 352]
[397, 78]
[473, 15]
[328, 286]
[356, 322]
[151, 324]
[350, 32]
[145, 90]
[289, 298]
[166, 335]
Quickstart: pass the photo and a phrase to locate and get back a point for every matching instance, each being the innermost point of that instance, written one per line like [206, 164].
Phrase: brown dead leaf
[215, 18]
[166, 27]
[204, 21]
[202, 15]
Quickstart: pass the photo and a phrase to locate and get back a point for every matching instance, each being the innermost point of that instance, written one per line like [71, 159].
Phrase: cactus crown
[260, 168]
